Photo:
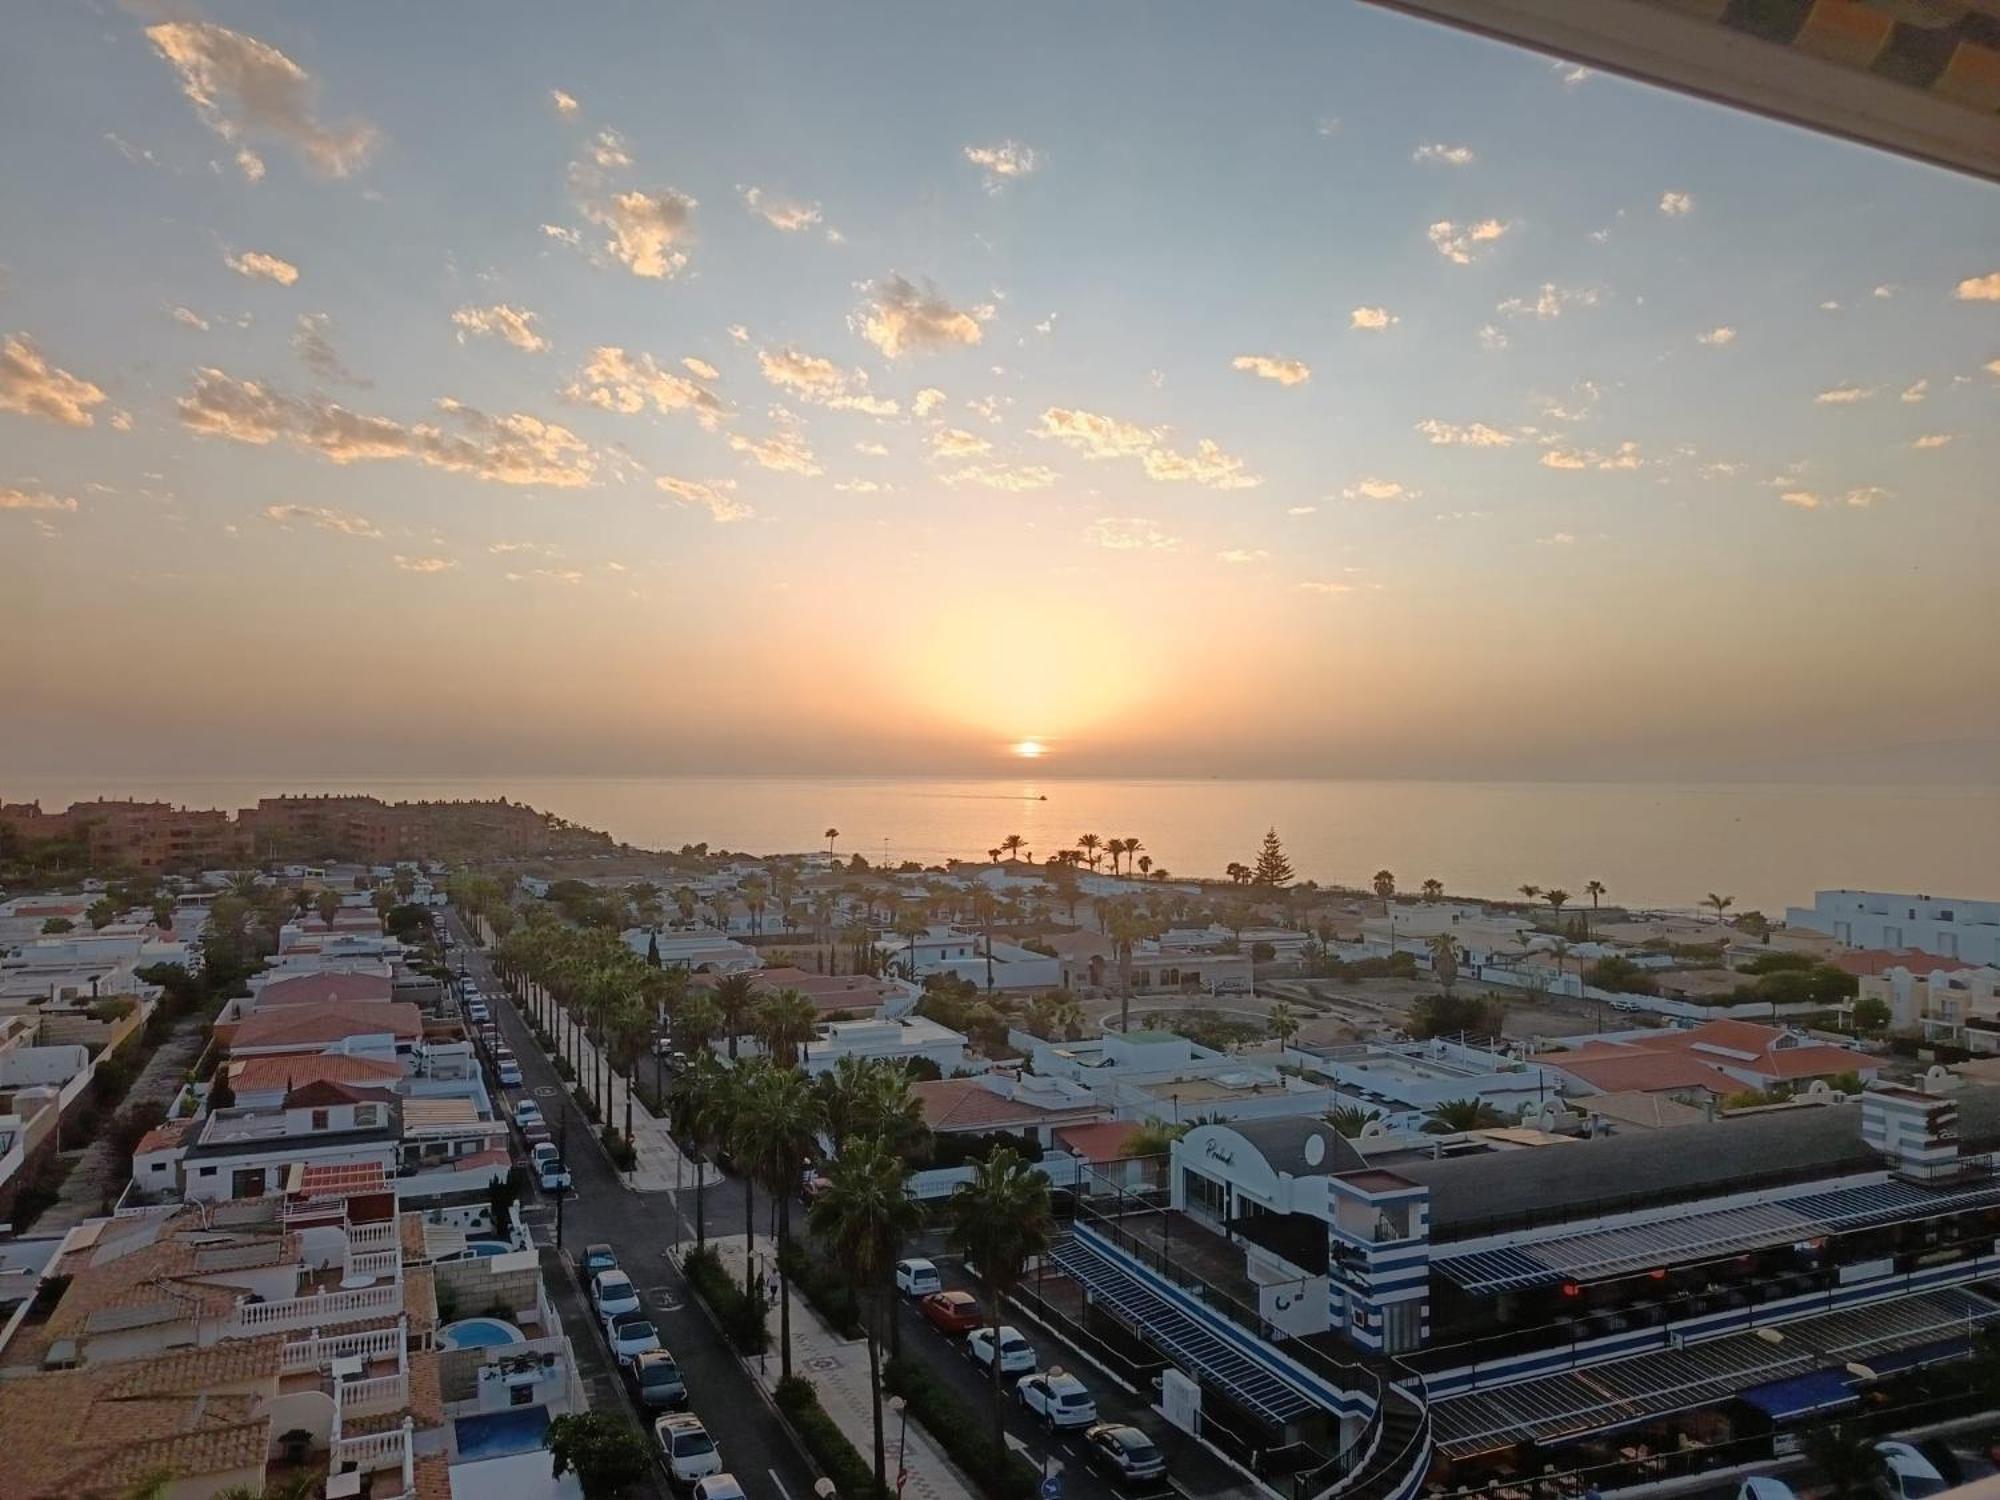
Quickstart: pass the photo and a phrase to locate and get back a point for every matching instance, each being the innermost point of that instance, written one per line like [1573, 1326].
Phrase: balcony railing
[374, 1262]
[318, 1353]
[372, 1396]
[375, 1451]
[251, 1318]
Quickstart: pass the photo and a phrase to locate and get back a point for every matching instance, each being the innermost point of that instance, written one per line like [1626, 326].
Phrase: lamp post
[824, 1488]
[562, 1150]
[902, 1409]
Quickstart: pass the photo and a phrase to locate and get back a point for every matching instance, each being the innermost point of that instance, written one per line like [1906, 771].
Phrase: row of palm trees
[1091, 850]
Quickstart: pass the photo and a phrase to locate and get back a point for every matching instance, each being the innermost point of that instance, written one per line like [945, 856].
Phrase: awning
[1802, 1395]
[1892, 1360]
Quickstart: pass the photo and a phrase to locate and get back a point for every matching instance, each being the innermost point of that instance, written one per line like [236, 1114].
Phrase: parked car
[1017, 1355]
[951, 1312]
[476, 1011]
[631, 1336]
[1059, 1399]
[597, 1258]
[719, 1487]
[553, 1176]
[612, 1294]
[1910, 1476]
[917, 1277]
[689, 1451]
[656, 1379]
[537, 1136]
[508, 1072]
[1124, 1453]
[527, 1112]
[1765, 1487]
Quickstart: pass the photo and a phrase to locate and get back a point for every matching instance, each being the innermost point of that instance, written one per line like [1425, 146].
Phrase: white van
[917, 1277]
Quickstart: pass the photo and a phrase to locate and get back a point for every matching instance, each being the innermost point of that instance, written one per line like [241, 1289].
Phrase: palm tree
[1349, 1119]
[1385, 884]
[686, 902]
[994, 855]
[1720, 903]
[1530, 892]
[786, 1024]
[327, 904]
[734, 996]
[1283, 1024]
[1462, 1114]
[830, 835]
[1433, 890]
[911, 924]
[698, 1112]
[984, 909]
[777, 1132]
[1238, 872]
[1125, 924]
[755, 891]
[1444, 960]
[999, 1221]
[1012, 845]
[1132, 848]
[1557, 898]
[1090, 843]
[863, 1217]
[1594, 889]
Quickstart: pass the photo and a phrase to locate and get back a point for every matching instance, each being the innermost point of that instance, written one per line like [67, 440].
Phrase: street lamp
[562, 1150]
[824, 1488]
[902, 1409]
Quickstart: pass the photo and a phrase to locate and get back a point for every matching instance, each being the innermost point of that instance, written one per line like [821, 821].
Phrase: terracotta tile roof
[410, 1235]
[420, 1300]
[316, 1026]
[166, 1135]
[261, 1074]
[321, 989]
[1863, 962]
[963, 1104]
[433, 1474]
[1696, 1058]
[323, 1092]
[1108, 1140]
[426, 1389]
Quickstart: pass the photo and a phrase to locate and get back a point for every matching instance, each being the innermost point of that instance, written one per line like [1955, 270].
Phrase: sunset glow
[1030, 749]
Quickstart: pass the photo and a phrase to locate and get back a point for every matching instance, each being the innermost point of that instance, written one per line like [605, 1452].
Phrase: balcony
[253, 1318]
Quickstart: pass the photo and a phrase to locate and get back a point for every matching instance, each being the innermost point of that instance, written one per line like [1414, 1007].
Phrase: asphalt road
[639, 1227]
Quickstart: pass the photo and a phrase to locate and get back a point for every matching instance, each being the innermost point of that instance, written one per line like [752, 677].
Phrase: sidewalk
[839, 1368]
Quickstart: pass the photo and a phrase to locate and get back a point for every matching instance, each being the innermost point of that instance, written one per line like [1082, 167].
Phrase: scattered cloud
[1979, 288]
[787, 214]
[872, 450]
[568, 237]
[1716, 337]
[1328, 125]
[512, 449]
[323, 518]
[540, 549]
[1625, 456]
[1013, 478]
[739, 333]
[425, 564]
[1803, 499]
[1371, 488]
[901, 318]
[1238, 555]
[32, 387]
[565, 104]
[1318, 586]
[1003, 163]
[242, 88]
[1302, 510]
[1674, 205]
[1450, 156]
[1572, 73]
[513, 325]
[785, 451]
[1916, 392]
[571, 576]
[716, 498]
[1549, 302]
[607, 150]
[187, 317]
[1097, 436]
[859, 487]
[1934, 440]
[1459, 243]
[1372, 319]
[927, 400]
[1992, 367]
[1468, 435]
[1272, 367]
[316, 352]
[1492, 339]
[1843, 395]
[259, 266]
[648, 229]
[1130, 534]
[1564, 458]
[1556, 539]
[1865, 495]
[1829, 306]
[619, 381]
[37, 500]
[701, 369]
[821, 382]
[956, 442]
[1886, 290]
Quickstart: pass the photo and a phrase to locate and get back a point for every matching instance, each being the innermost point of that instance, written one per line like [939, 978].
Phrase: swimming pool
[488, 1247]
[479, 1333]
[495, 1434]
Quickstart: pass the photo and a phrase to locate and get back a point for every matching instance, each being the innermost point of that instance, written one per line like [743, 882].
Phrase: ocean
[1767, 845]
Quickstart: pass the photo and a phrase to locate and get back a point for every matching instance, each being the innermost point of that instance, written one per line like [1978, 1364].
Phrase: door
[247, 1183]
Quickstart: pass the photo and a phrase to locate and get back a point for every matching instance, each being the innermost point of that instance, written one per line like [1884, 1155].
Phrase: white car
[1017, 1355]
[552, 1175]
[508, 1071]
[631, 1336]
[527, 1113]
[1765, 1487]
[613, 1294]
[689, 1451]
[1059, 1399]
[719, 1487]
[1910, 1475]
[917, 1277]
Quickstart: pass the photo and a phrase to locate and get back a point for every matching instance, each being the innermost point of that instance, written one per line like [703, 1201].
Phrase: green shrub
[832, 1298]
[853, 1476]
[961, 1432]
[585, 1103]
[624, 1155]
[564, 1071]
[741, 1317]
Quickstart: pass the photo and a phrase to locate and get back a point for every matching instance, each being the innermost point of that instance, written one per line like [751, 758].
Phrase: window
[321, 1119]
[367, 1116]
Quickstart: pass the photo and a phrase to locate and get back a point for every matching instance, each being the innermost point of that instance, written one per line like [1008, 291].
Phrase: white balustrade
[311, 1312]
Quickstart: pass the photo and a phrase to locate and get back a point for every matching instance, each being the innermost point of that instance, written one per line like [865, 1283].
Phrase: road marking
[779, 1483]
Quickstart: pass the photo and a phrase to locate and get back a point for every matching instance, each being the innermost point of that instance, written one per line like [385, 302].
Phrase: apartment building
[152, 837]
[1944, 1003]
[1938, 925]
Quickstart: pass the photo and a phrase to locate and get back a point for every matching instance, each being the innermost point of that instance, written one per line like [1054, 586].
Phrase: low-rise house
[329, 987]
[1032, 1107]
[1402, 1082]
[852, 996]
[248, 1153]
[900, 1039]
[1160, 1075]
[377, 1027]
[1940, 999]
[968, 956]
[1716, 1057]
[1156, 971]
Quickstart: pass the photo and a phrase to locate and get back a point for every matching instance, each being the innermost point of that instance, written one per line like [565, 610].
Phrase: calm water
[1767, 845]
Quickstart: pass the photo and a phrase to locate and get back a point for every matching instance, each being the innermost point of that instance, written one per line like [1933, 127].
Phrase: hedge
[624, 1155]
[741, 1317]
[832, 1298]
[963, 1433]
[852, 1475]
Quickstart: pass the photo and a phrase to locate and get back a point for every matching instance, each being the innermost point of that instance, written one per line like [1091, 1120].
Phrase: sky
[1167, 389]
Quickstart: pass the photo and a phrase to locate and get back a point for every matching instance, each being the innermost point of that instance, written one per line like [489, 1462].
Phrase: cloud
[1491, 338]
[615, 380]
[648, 229]
[1673, 205]
[1865, 495]
[513, 449]
[859, 487]
[1302, 510]
[701, 369]
[1803, 499]
[568, 236]
[1014, 478]
[872, 450]
[257, 265]
[1915, 393]
[323, 518]
[1470, 435]
[1236, 555]
[784, 451]
[900, 318]
[513, 325]
[241, 88]
[1717, 337]
[607, 150]
[32, 387]
[1549, 302]
[1572, 73]
[1934, 440]
[927, 400]
[780, 213]
[1992, 367]
[1272, 367]
[1886, 290]
[1843, 395]
[1458, 243]
[716, 499]
[1315, 586]
[425, 564]
[1096, 436]
[540, 549]
[1625, 456]
[1979, 288]
[1130, 534]
[187, 317]
[1372, 319]
[1556, 539]
[956, 442]
[1451, 156]
[1829, 306]
[38, 500]
[571, 576]
[1563, 458]
[1003, 163]
[317, 354]
[818, 380]
[1372, 488]
[565, 104]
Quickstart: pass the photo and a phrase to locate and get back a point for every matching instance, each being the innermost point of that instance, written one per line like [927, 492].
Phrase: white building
[1402, 1082]
[899, 1040]
[947, 950]
[1940, 925]
[1158, 1075]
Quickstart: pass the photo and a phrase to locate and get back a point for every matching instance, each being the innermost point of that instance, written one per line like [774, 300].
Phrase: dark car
[656, 1380]
[952, 1312]
[598, 1258]
[1124, 1453]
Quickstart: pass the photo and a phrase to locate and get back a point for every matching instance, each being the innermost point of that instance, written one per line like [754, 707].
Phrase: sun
[1030, 749]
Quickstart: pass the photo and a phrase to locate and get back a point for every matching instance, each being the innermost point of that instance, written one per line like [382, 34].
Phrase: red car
[952, 1312]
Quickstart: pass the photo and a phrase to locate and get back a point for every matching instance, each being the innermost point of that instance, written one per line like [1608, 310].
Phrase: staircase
[1396, 1454]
